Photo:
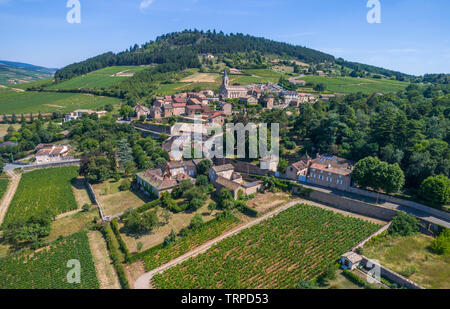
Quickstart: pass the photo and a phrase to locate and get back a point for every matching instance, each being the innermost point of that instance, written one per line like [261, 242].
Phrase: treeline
[182, 49]
[178, 58]
[221, 43]
[411, 128]
[359, 67]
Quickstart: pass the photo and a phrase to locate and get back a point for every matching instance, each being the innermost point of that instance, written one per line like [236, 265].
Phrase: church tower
[225, 80]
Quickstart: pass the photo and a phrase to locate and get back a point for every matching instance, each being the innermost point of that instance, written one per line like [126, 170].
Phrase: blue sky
[413, 37]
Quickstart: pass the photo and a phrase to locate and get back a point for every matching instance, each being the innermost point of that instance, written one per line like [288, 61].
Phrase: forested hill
[182, 48]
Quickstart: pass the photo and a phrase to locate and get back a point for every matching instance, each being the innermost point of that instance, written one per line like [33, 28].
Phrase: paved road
[143, 282]
[9, 194]
[415, 212]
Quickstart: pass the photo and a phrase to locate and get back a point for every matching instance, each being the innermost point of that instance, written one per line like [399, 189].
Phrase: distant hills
[17, 72]
[180, 50]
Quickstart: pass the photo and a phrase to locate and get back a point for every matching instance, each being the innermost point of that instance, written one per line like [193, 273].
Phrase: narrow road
[9, 194]
[143, 282]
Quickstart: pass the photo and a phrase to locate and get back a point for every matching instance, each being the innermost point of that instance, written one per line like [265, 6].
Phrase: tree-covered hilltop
[359, 68]
[181, 49]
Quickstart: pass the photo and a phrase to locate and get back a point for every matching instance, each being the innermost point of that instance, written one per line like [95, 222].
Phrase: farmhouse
[80, 112]
[224, 176]
[298, 171]
[165, 178]
[47, 153]
[141, 110]
[331, 171]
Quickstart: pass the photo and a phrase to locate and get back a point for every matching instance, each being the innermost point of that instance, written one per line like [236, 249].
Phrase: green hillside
[99, 79]
[350, 84]
[16, 73]
[48, 102]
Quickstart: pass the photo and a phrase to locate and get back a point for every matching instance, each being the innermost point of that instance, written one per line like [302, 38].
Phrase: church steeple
[225, 78]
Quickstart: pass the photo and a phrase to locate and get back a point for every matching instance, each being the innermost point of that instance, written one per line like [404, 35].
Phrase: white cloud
[145, 4]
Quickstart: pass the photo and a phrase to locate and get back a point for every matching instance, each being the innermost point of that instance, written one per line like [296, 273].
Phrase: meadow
[47, 268]
[350, 84]
[297, 244]
[411, 257]
[103, 78]
[43, 189]
[48, 102]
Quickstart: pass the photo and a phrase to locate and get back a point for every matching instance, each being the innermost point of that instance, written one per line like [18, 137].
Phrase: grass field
[349, 84]
[176, 223]
[47, 267]
[3, 185]
[103, 78]
[43, 189]
[299, 243]
[411, 257]
[48, 102]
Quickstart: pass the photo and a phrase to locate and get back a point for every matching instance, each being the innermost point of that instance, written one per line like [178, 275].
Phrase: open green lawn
[43, 189]
[48, 268]
[411, 257]
[48, 102]
[299, 243]
[103, 78]
[350, 84]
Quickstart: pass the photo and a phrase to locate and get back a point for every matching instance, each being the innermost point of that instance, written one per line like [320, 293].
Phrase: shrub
[125, 185]
[436, 189]
[307, 285]
[441, 244]
[86, 207]
[404, 224]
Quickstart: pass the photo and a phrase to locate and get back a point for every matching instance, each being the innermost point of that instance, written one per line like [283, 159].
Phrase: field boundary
[9, 194]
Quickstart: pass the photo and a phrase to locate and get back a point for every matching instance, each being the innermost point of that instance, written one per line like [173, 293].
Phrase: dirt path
[143, 282]
[105, 271]
[13, 89]
[9, 194]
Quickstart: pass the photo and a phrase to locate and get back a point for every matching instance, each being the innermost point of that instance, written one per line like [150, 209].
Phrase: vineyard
[43, 189]
[3, 186]
[47, 268]
[160, 255]
[299, 243]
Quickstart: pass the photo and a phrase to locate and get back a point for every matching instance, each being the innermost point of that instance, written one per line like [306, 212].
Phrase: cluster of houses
[199, 103]
[165, 178]
[325, 170]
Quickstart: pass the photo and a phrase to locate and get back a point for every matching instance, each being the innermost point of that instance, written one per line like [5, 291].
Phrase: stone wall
[390, 275]
[354, 206]
[435, 212]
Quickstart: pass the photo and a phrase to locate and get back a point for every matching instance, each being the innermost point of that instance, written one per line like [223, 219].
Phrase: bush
[404, 224]
[125, 185]
[249, 211]
[436, 189]
[307, 285]
[441, 244]
[196, 222]
[86, 207]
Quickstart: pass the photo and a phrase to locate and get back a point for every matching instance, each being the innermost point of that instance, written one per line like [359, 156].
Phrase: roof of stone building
[227, 183]
[223, 168]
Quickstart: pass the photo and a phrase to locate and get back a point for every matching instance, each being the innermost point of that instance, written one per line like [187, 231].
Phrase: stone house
[269, 163]
[48, 153]
[331, 171]
[141, 110]
[298, 171]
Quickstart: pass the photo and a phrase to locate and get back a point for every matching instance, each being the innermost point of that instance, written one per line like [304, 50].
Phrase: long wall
[407, 203]
[353, 206]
